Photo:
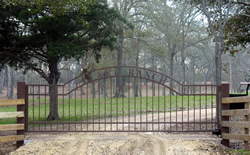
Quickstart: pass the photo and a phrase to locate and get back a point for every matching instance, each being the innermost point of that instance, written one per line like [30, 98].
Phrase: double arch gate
[124, 99]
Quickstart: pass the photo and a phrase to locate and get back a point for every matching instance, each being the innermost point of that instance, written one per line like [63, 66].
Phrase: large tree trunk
[206, 77]
[53, 90]
[153, 68]
[75, 71]
[183, 71]
[230, 74]
[193, 73]
[171, 72]
[9, 73]
[183, 59]
[218, 64]
[71, 84]
[119, 81]
[93, 89]
[53, 111]
[25, 76]
[1, 81]
[104, 89]
[136, 82]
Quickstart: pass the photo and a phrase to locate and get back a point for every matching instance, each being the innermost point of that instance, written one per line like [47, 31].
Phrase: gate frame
[219, 89]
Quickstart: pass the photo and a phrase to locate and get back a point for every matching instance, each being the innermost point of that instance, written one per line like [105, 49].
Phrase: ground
[157, 143]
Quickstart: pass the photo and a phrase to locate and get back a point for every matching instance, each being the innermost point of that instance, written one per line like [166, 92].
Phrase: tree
[178, 29]
[1, 81]
[237, 30]
[218, 14]
[124, 7]
[47, 33]
[9, 77]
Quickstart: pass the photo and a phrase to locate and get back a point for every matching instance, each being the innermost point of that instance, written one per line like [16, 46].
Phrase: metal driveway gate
[124, 99]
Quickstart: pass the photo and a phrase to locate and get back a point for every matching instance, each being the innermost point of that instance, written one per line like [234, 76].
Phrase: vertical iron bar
[33, 98]
[117, 100]
[57, 106]
[217, 107]
[200, 107]
[45, 106]
[170, 100]
[39, 106]
[51, 123]
[146, 104]
[111, 105]
[99, 99]
[141, 103]
[93, 105]
[153, 91]
[75, 107]
[63, 107]
[69, 111]
[194, 105]
[158, 106]
[176, 106]
[183, 92]
[129, 103]
[81, 105]
[123, 109]
[188, 107]
[105, 106]
[212, 120]
[87, 96]
[136, 89]
[206, 106]
[164, 108]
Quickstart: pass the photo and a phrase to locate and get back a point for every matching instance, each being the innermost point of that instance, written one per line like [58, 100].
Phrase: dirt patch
[6, 148]
[121, 143]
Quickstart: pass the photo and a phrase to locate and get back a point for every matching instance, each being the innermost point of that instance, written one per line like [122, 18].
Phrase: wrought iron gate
[139, 99]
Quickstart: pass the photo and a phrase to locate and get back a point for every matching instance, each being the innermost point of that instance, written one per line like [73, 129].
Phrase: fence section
[244, 124]
[19, 127]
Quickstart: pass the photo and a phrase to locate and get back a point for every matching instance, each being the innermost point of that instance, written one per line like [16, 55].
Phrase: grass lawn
[72, 110]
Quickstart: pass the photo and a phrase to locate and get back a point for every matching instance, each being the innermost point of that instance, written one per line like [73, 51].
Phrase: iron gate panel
[145, 101]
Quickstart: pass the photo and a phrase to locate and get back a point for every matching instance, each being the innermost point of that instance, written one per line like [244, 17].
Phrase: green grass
[88, 109]
[238, 152]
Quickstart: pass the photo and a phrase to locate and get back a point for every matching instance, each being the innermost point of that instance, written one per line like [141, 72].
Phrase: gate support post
[21, 92]
[224, 93]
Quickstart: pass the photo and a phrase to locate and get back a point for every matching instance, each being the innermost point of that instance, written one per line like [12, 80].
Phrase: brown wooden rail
[243, 124]
[19, 138]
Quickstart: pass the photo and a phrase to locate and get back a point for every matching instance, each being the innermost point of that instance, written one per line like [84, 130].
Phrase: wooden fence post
[246, 130]
[225, 93]
[21, 95]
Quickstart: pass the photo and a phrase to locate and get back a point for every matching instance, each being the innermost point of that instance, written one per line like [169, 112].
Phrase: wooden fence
[19, 126]
[226, 123]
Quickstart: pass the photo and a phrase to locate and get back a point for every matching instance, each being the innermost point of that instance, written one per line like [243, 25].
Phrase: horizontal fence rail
[123, 99]
[19, 138]
[243, 124]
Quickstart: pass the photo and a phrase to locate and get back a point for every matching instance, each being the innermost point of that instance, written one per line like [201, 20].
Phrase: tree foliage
[237, 30]
[41, 32]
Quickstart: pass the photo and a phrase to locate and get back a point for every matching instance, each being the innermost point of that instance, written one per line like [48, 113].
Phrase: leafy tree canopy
[49, 31]
[237, 30]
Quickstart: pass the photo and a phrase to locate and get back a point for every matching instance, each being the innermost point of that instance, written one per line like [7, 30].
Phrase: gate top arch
[127, 71]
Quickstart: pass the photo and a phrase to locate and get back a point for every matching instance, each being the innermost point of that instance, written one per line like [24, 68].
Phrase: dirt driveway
[120, 143]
